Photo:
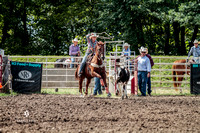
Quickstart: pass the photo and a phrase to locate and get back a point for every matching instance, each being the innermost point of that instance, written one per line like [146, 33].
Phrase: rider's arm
[88, 38]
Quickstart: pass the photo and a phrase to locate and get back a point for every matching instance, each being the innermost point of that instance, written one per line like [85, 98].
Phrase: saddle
[89, 58]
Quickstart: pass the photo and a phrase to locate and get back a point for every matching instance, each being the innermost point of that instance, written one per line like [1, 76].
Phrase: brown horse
[178, 72]
[94, 69]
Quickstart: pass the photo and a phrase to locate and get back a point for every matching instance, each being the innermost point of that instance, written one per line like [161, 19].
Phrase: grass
[156, 92]
[75, 91]
[6, 94]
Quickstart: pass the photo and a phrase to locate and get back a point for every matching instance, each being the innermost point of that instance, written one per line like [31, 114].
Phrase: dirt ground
[68, 113]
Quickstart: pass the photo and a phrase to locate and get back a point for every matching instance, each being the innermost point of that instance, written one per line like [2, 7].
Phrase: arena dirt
[67, 113]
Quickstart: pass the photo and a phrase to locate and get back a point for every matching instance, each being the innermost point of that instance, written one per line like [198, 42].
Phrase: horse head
[99, 47]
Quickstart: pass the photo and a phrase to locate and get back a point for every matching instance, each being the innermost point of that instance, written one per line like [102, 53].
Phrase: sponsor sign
[195, 78]
[27, 77]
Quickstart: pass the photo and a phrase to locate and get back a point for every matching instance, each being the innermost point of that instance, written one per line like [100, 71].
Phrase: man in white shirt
[144, 69]
[195, 51]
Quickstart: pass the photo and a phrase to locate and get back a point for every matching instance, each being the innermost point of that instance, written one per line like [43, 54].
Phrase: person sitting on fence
[195, 51]
[127, 53]
[144, 69]
[74, 51]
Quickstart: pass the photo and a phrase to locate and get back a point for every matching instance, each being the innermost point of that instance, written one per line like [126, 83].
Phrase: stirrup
[80, 74]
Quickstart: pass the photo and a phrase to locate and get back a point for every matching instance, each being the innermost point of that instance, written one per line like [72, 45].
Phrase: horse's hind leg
[80, 85]
[87, 85]
[179, 84]
[123, 90]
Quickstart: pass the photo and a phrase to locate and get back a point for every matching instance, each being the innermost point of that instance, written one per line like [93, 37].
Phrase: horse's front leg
[87, 85]
[117, 89]
[106, 87]
[93, 73]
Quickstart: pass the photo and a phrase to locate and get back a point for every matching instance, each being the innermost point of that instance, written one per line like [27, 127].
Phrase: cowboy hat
[93, 35]
[126, 44]
[195, 41]
[75, 40]
[142, 49]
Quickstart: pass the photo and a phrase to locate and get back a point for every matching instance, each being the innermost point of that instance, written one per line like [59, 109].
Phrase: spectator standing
[74, 51]
[144, 69]
[195, 51]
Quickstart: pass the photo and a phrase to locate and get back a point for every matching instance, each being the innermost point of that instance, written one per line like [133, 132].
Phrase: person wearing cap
[149, 78]
[144, 69]
[92, 41]
[74, 50]
[195, 51]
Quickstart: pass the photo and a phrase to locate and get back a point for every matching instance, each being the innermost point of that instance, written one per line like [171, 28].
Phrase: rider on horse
[195, 51]
[91, 39]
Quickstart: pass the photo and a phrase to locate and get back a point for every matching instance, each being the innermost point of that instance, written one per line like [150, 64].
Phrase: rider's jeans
[83, 63]
[97, 86]
[142, 82]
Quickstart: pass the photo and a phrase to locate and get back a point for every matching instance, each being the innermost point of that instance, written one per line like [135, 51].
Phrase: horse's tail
[174, 78]
[76, 72]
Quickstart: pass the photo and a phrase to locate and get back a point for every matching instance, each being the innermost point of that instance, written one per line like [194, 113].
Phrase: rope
[103, 37]
[9, 79]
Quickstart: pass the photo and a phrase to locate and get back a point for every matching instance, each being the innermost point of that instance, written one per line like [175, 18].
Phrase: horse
[123, 76]
[178, 73]
[94, 69]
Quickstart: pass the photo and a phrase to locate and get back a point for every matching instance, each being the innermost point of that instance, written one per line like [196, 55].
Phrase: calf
[123, 76]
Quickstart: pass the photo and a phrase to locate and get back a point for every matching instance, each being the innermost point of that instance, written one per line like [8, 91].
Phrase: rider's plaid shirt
[90, 44]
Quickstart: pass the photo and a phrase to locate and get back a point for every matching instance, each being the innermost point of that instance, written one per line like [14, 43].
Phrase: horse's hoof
[92, 95]
[122, 97]
[109, 94]
[103, 88]
[117, 93]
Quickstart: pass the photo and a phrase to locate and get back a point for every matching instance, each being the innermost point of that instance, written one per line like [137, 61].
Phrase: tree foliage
[46, 27]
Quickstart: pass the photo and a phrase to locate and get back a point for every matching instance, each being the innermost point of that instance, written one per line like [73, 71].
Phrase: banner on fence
[27, 77]
[195, 78]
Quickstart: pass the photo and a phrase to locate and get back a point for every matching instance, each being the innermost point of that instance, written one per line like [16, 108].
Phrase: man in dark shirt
[149, 78]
